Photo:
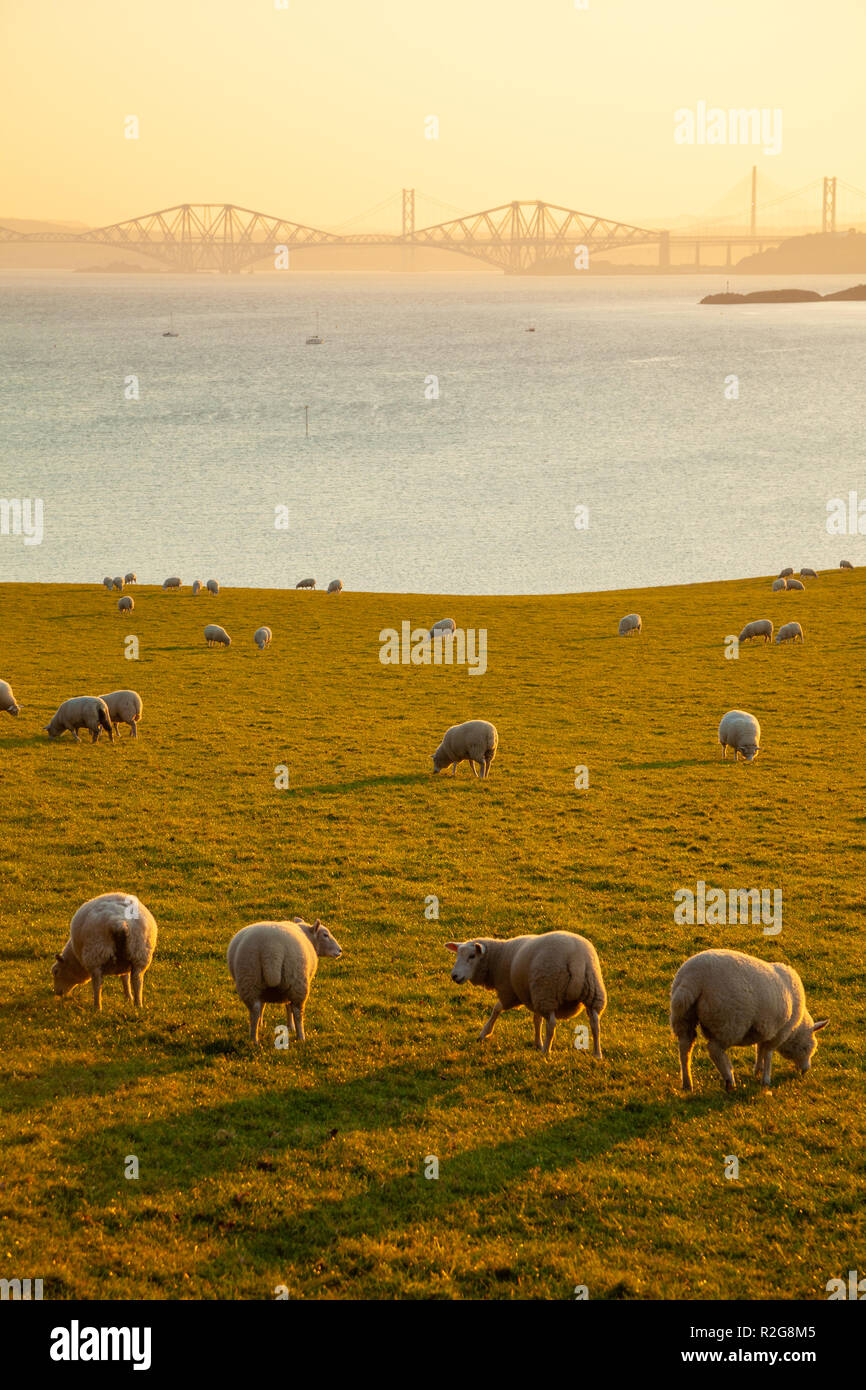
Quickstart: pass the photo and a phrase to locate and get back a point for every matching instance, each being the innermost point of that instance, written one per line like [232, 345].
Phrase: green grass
[306, 1168]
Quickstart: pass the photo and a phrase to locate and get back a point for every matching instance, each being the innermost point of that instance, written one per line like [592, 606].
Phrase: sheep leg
[488, 1027]
[536, 1019]
[137, 986]
[595, 1025]
[290, 1022]
[724, 750]
[97, 989]
[549, 1031]
[298, 1012]
[723, 1063]
[687, 1043]
[256, 1009]
[474, 768]
[768, 1067]
[124, 985]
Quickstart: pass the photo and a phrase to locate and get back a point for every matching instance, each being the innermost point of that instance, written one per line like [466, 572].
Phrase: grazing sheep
[845, 565]
[796, 584]
[262, 638]
[125, 604]
[131, 578]
[444, 628]
[779, 584]
[118, 583]
[81, 712]
[736, 1000]
[761, 627]
[113, 934]
[555, 975]
[630, 624]
[808, 574]
[783, 574]
[196, 587]
[172, 583]
[335, 586]
[475, 741]
[742, 732]
[8, 703]
[789, 633]
[274, 963]
[306, 584]
[216, 636]
[124, 707]
[212, 587]
[109, 583]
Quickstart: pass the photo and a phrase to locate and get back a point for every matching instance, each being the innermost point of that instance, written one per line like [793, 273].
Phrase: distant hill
[819, 254]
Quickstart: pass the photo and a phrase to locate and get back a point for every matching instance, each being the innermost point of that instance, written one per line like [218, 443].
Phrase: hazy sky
[317, 111]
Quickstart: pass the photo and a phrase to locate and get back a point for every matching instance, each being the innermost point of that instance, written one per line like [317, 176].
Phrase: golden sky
[317, 111]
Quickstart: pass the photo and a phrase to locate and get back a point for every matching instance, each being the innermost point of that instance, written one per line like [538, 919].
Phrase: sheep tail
[684, 1007]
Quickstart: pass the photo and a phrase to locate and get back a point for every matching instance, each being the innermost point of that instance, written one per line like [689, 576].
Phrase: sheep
[789, 633]
[262, 638]
[475, 741]
[274, 962]
[109, 583]
[783, 574]
[444, 628]
[736, 1000]
[212, 587]
[118, 583]
[742, 732]
[124, 707]
[8, 703]
[196, 587]
[81, 712]
[306, 584]
[216, 636]
[125, 604]
[172, 583]
[113, 934]
[630, 624]
[845, 565]
[335, 586]
[554, 975]
[796, 584]
[779, 584]
[807, 573]
[131, 578]
[761, 627]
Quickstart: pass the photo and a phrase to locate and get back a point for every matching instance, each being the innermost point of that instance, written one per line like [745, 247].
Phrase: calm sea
[448, 446]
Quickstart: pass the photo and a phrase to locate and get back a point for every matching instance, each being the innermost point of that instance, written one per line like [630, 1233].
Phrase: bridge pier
[664, 250]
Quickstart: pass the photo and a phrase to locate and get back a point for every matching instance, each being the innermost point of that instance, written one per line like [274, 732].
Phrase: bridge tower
[408, 213]
[828, 208]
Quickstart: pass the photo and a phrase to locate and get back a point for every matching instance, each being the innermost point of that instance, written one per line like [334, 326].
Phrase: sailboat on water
[170, 333]
[314, 338]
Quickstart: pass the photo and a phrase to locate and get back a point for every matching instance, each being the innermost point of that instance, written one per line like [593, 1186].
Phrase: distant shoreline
[791, 296]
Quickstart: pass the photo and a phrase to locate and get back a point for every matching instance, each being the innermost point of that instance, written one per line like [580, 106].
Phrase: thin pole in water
[306, 421]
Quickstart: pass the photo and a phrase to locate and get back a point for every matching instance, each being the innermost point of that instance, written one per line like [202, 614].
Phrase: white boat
[314, 338]
[170, 333]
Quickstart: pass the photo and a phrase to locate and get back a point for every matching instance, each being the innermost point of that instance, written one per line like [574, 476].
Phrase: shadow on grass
[337, 788]
[674, 762]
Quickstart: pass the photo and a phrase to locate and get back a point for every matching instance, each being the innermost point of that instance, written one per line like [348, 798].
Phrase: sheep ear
[318, 925]
[452, 945]
[480, 947]
[822, 1023]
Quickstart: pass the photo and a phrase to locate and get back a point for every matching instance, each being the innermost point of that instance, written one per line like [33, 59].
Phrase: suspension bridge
[517, 237]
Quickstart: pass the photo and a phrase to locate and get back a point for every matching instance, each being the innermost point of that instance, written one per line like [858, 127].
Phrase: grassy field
[306, 1168]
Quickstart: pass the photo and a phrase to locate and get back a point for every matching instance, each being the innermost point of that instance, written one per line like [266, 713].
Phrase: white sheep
[124, 707]
[554, 975]
[125, 604]
[196, 587]
[476, 741]
[109, 583]
[216, 636]
[796, 584]
[172, 583]
[736, 1000]
[783, 574]
[761, 627]
[8, 703]
[807, 573]
[444, 628]
[262, 638]
[630, 624]
[81, 712]
[789, 633]
[131, 578]
[118, 583]
[274, 962]
[845, 565]
[742, 732]
[335, 586]
[212, 587]
[113, 934]
[779, 584]
[306, 584]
